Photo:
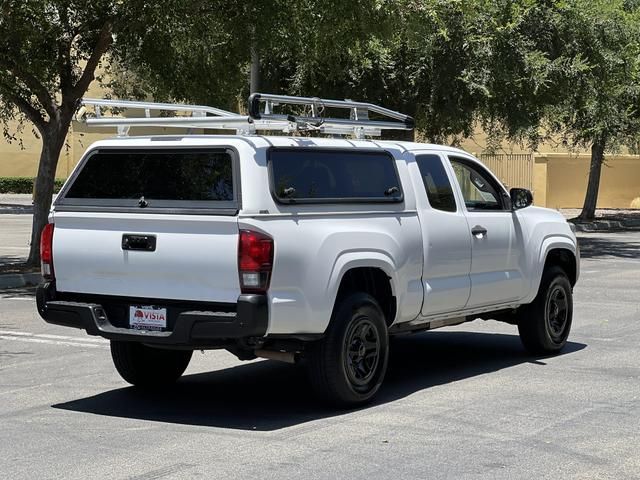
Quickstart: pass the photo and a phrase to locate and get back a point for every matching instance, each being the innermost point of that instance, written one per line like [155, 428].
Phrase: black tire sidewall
[329, 358]
[369, 309]
[145, 366]
[533, 325]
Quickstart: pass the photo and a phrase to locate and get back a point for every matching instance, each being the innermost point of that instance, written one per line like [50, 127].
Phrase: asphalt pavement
[460, 403]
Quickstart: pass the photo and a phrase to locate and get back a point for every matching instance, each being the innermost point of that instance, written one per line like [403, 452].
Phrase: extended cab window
[313, 175]
[436, 183]
[154, 179]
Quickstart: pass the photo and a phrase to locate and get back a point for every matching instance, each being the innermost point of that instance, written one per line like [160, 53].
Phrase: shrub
[23, 185]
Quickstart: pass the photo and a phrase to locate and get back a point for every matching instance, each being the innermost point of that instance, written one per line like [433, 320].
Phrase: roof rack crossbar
[175, 107]
[256, 98]
[200, 116]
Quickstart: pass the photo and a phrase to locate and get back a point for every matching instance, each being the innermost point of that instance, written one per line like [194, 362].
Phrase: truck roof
[262, 141]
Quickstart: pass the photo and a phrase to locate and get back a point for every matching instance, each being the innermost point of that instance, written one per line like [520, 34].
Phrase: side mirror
[520, 198]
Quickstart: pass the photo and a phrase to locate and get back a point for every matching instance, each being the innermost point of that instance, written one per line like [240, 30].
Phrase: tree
[567, 69]
[49, 53]
[207, 59]
[600, 105]
[189, 50]
[410, 56]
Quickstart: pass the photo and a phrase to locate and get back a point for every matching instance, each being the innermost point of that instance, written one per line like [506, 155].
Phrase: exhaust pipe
[287, 357]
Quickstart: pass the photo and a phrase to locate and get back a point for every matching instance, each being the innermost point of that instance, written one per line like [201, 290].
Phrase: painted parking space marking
[53, 339]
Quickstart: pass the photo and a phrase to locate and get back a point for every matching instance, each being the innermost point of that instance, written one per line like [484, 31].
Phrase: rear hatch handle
[137, 241]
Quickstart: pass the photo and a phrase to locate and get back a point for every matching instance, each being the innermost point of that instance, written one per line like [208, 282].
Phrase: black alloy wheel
[362, 352]
[556, 312]
[348, 365]
[545, 323]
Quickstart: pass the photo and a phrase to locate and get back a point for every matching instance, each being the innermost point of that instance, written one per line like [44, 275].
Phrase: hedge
[24, 185]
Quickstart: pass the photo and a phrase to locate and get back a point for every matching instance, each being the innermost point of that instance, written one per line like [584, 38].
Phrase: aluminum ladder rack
[313, 118]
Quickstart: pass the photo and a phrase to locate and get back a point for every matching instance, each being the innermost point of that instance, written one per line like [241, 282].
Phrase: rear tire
[348, 365]
[145, 366]
[545, 323]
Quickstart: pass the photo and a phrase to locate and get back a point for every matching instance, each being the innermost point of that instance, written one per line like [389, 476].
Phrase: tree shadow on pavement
[266, 396]
[606, 247]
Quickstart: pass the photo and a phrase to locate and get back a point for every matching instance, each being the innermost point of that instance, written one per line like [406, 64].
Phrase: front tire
[348, 365]
[145, 366]
[545, 323]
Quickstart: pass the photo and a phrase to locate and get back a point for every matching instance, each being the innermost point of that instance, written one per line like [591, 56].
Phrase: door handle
[479, 231]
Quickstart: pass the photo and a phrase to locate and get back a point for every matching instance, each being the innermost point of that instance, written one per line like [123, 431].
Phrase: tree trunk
[52, 143]
[591, 198]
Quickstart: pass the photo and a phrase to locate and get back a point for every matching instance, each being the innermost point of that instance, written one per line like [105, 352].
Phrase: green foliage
[183, 49]
[407, 55]
[200, 51]
[524, 70]
[600, 99]
[412, 57]
[23, 185]
[514, 66]
[45, 48]
[50, 51]
[519, 67]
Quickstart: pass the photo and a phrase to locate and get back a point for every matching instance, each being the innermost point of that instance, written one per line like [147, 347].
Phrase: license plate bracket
[147, 317]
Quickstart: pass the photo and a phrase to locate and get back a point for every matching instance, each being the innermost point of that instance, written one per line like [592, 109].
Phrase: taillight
[46, 252]
[255, 261]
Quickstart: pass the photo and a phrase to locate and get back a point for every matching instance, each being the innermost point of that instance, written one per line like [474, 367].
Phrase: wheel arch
[374, 275]
[565, 259]
[560, 251]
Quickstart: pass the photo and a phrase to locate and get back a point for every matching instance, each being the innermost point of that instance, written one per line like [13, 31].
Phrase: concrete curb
[16, 209]
[608, 225]
[16, 280]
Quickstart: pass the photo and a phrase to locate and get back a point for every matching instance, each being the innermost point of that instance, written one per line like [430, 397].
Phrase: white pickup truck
[298, 249]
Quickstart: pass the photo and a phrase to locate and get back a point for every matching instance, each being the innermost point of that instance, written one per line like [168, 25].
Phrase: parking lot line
[53, 339]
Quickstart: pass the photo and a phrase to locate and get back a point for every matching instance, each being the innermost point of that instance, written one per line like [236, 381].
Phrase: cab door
[445, 237]
[497, 246]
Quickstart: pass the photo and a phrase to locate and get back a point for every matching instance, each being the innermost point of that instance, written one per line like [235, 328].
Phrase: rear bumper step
[192, 328]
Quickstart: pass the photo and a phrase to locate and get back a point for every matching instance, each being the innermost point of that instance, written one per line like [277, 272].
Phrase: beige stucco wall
[566, 180]
[23, 162]
[540, 181]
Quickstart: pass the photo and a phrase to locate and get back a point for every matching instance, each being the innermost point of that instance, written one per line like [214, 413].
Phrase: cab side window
[478, 189]
[436, 183]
